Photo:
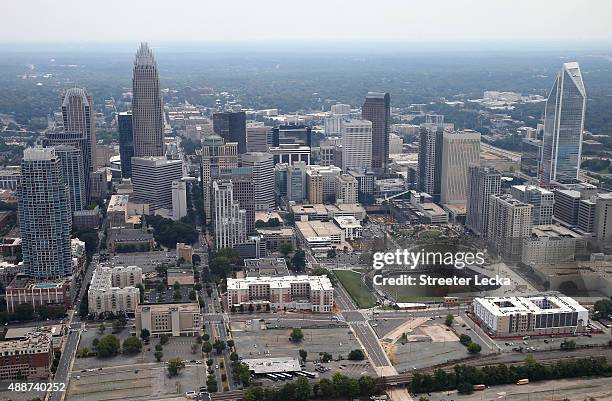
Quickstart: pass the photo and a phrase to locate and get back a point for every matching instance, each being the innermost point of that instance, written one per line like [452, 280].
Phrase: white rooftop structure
[273, 365]
[315, 282]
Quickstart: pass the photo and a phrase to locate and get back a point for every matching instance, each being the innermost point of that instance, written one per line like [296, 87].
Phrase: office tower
[377, 109]
[396, 144]
[243, 191]
[459, 151]
[340, 109]
[152, 178]
[531, 150]
[356, 144]
[327, 151]
[230, 220]
[290, 153]
[509, 223]
[179, 199]
[258, 137]
[563, 126]
[147, 109]
[216, 154]
[263, 178]
[126, 142]
[328, 175]
[231, 126]
[565, 209]
[292, 135]
[99, 183]
[72, 171]
[541, 199]
[603, 220]
[346, 189]
[296, 181]
[482, 183]
[430, 162]
[365, 182]
[44, 214]
[314, 187]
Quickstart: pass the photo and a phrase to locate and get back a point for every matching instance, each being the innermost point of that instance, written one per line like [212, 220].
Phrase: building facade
[377, 109]
[176, 320]
[231, 126]
[113, 289]
[460, 150]
[356, 144]
[509, 223]
[152, 178]
[126, 142]
[482, 183]
[230, 220]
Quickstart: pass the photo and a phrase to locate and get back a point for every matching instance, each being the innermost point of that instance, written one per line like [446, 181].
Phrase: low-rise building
[184, 251]
[130, 240]
[530, 315]
[113, 289]
[319, 236]
[313, 293]
[265, 267]
[26, 358]
[351, 226]
[276, 237]
[550, 244]
[54, 295]
[175, 319]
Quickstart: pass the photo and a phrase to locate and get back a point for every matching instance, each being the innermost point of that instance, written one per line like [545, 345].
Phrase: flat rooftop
[553, 231]
[313, 228]
[501, 306]
[315, 282]
[273, 365]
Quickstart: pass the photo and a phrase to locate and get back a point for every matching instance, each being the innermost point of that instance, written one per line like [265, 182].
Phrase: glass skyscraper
[563, 126]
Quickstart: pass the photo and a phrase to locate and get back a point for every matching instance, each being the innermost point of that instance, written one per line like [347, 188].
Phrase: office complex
[258, 137]
[460, 150]
[243, 192]
[430, 162]
[147, 109]
[509, 223]
[292, 135]
[113, 289]
[176, 319]
[262, 166]
[179, 199]
[356, 144]
[563, 126]
[551, 244]
[346, 189]
[51, 294]
[152, 178]
[290, 181]
[314, 293]
[72, 169]
[482, 183]
[216, 154]
[231, 126]
[530, 315]
[44, 214]
[531, 150]
[377, 109]
[542, 200]
[230, 220]
[126, 142]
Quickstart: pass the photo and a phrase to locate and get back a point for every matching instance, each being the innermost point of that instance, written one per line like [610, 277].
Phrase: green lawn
[356, 289]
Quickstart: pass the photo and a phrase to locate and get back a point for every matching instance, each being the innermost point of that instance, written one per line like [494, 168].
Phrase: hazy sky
[316, 20]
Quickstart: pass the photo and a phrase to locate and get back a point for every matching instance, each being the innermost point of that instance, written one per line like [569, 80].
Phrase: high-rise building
[563, 126]
[152, 178]
[340, 109]
[290, 181]
[567, 203]
[430, 162]
[243, 192]
[328, 175]
[44, 214]
[263, 178]
[314, 186]
[377, 109]
[356, 144]
[78, 116]
[259, 138]
[292, 134]
[603, 220]
[147, 109]
[230, 220]
[126, 142]
[231, 126]
[542, 200]
[72, 170]
[509, 223]
[346, 189]
[290, 153]
[396, 144]
[460, 150]
[531, 150]
[216, 154]
[482, 183]
[179, 199]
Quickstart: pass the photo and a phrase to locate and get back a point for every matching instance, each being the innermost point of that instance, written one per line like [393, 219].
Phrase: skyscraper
[231, 126]
[509, 223]
[563, 126]
[356, 144]
[126, 142]
[216, 154]
[482, 182]
[72, 170]
[179, 199]
[430, 162]
[44, 214]
[263, 178]
[79, 129]
[152, 178]
[147, 109]
[292, 134]
[377, 109]
[541, 199]
[460, 150]
[230, 220]
[243, 191]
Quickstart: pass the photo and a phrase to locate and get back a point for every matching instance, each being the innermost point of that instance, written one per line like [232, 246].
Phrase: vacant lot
[356, 288]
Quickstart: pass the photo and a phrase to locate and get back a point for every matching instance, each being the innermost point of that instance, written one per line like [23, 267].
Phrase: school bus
[522, 381]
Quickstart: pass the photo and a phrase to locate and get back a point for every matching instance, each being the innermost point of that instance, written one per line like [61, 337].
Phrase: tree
[158, 355]
[356, 355]
[163, 339]
[176, 286]
[145, 334]
[95, 343]
[449, 320]
[296, 335]
[192, 295]
[303, 355]
[119, 324]
[23, 312]
[465, 339]
[219, 346]
[230, 343]
[234, 357]
[331, 254]
[205, 337]
[474, 348]
[175, 365]
[285, 249]
[423, 398]
[325, 356]
[197, 287]
[102, 328]
[568, 345]
[299, 260]
[108, 346]
[132, 345]
[206, 347]
[602, 308]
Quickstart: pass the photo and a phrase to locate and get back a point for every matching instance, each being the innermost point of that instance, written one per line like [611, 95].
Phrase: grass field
[356, 288]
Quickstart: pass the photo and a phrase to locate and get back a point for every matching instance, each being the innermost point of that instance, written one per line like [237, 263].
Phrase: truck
[522, 381]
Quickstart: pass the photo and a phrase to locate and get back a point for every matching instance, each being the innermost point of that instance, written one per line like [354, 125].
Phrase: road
[65, 364]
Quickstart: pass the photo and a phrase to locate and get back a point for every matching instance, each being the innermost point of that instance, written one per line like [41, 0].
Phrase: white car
[190, 394]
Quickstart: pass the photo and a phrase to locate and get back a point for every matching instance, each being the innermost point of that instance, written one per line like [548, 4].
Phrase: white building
[314, 293]
[551, 244]
[460, 150]
[319, 236]
[542, 200]
[346, 189]
[356, 144]
[396, 144]
[509, 223]
[530, 315]
[351, 226]
[179, 199]
[152, 178]
[113, 289]
[230, 220]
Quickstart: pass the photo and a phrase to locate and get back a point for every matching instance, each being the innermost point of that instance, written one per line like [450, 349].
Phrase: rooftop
[530, 304]
[316, 282]
[273, 365]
